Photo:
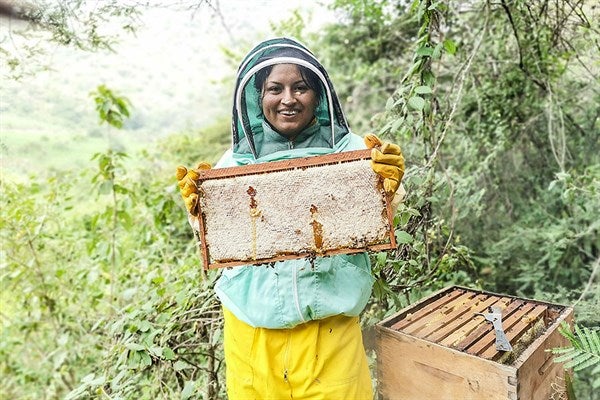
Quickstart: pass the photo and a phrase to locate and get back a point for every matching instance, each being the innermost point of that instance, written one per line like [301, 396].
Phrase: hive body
[439, 349]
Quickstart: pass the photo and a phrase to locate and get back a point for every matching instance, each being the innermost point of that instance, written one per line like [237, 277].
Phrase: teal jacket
[288, 293]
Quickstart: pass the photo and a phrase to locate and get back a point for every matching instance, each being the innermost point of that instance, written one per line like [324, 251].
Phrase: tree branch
[516, 34]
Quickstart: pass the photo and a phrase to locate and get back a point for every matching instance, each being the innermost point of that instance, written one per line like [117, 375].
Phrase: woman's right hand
[186, 180]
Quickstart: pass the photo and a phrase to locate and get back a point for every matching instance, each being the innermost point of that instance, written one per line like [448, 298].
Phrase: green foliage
[365, 55]
[111, 108]
[44, 326]
[539, 176]
[103, 292]
[207, 145]
[166, 346]
[582, 354]
[584, 351]
[430, 254]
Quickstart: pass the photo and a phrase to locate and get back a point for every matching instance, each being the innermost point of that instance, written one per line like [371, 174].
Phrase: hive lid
[306, 207]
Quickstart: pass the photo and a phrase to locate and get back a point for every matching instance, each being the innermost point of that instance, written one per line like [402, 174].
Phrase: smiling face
[288, 103]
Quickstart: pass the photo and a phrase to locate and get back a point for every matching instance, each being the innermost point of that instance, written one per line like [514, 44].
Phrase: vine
[415, 111]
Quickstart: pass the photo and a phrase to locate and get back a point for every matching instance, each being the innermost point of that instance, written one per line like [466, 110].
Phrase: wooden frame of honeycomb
[306, 207]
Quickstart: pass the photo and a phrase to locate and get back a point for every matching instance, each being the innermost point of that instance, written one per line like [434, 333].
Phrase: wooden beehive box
[307, 207]
[439, 349]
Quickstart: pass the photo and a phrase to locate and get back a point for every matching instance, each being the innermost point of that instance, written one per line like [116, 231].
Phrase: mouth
[289, 113]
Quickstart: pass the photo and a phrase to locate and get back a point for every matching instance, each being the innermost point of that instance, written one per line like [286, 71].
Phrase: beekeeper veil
[247, 119]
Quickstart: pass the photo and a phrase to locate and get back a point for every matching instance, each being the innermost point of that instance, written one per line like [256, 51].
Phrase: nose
[288, 97]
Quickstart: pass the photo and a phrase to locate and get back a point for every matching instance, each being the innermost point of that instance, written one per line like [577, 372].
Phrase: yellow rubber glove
[387, 161]
[186, 179]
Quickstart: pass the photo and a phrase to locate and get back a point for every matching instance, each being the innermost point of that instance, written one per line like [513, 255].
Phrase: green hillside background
[173, 69]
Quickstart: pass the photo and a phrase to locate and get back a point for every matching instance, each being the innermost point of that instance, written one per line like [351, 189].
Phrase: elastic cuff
[398, 198]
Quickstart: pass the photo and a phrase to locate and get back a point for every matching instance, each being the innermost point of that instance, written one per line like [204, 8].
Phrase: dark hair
[308, 76]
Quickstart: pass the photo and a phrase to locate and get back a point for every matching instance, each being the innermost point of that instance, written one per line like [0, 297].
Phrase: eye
[273, 89]
[301, 88]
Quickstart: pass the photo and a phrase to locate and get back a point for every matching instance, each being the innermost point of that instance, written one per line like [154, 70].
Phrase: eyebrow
[279, 83]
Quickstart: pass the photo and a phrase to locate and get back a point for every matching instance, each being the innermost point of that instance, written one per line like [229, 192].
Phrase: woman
[292, 329]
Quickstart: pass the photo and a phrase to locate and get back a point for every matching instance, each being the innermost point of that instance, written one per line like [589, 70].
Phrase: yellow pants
[322, 359]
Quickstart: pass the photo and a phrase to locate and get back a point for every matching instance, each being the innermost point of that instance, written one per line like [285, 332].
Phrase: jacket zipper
[286, 360]
[295, 290]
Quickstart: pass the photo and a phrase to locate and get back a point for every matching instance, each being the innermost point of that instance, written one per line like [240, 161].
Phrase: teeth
[289, 112]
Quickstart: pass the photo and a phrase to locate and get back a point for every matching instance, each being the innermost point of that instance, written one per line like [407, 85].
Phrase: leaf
[105, 187]
[416, 102]
[134, 346]
[433, 6]
[146, 360]
[75, 393]
[115, 382]
[215, 337]
[403, 237]
[584, 362]
[98, 381]
[595, 341]
[144, 326]
[415, 67]
[156, 351]
[389, 104]
[168, 354]
[385, 128]
[584, 351]
[423, 90]
[404, 218]
[88, 378]
[398, 102]
[120, 189]
[450, 46]
[128, 294]
[158, 280]
[424, 51]
[180, 365]
[437, 51]
[133, 360]
[397, 124]
[188, 390]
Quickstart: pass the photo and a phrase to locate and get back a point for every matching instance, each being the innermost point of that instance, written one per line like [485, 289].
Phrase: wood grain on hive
[306, 207]
[444, 345]
[451, 321]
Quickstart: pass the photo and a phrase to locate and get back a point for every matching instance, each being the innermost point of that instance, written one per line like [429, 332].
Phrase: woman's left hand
[387, 161]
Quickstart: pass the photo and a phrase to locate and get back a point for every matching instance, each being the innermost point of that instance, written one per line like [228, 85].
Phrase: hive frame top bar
[390, 320]
[283, 165]
[407, 320]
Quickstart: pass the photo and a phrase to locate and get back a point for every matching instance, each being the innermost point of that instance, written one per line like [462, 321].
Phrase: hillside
[171, 70]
